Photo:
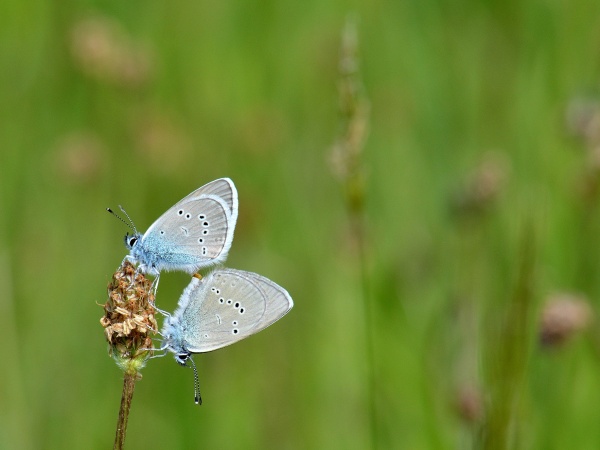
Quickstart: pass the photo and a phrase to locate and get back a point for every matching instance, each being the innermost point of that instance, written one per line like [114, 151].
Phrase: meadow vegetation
[423, 177]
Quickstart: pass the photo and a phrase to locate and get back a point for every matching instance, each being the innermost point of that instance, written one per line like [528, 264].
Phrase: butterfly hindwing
[228, 306]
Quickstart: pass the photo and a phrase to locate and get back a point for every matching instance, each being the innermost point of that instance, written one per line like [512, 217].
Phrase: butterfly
[225, 307]
[194, 233]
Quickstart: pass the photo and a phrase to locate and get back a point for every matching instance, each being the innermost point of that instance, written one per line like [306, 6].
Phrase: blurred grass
[248, 90]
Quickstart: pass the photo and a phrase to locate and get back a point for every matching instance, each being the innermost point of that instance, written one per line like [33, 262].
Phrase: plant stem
[508, 356]
[347, 164]
[128, 387]
[358, 223]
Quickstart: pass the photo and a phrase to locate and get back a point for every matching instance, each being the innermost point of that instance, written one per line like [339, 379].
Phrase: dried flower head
[583, 119]
[102, 49]
[129, 318]
[353, 108]
[345, 156]
[79, 157]
[469, 404]
[161, 141]
[482, 186]
[563, 316]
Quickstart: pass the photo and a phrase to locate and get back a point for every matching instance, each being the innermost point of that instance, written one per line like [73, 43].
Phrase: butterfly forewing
[230, 305]
[198, 230]
[222, 188]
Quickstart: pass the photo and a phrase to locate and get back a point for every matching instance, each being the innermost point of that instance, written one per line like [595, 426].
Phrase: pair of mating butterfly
[225, 306]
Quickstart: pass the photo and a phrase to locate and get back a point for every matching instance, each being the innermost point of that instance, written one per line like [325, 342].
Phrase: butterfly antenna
[121, 219]
[197, 397]
[128, 218]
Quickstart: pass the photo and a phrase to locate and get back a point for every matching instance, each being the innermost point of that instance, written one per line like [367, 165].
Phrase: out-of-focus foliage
[480, 179]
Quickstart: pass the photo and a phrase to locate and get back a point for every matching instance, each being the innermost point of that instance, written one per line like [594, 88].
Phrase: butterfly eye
[180, 212]
[130, 240]
[182, 358]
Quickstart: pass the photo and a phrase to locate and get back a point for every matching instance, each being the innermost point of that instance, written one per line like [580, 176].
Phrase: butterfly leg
[154, 288]
[128, 258]
[159, 355]
[163, 348]
[163, 312]
[164, 353]
[154, 331]
[155, 283]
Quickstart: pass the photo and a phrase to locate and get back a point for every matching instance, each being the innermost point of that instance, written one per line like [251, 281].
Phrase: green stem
[508, 357]
[358, 229]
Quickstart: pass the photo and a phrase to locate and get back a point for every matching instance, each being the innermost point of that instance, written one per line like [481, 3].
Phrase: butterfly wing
[197, 231]
[227, 306]
[225, 190]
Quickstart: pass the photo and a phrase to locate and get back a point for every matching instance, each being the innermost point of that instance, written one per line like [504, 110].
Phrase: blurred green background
[445, 284]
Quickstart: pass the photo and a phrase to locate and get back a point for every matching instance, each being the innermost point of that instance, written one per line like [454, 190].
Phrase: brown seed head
[345, 155]
[161, 141]
[469, 404]
[129, 319]
[79, 158]
[482, 186]
[563, 316]
[583, 120]
[103, 50]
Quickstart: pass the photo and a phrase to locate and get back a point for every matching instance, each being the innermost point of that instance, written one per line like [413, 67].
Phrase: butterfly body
[226, 306]
[196, 232]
